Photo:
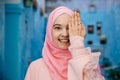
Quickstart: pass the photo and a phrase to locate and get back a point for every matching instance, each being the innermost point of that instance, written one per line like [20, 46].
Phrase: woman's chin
[64, 46]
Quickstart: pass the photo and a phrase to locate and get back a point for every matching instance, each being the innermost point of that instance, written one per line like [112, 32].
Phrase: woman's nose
[65, 32]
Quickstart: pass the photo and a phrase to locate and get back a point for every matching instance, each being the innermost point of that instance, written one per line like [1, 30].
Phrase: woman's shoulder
[37, 63]
[37, 69]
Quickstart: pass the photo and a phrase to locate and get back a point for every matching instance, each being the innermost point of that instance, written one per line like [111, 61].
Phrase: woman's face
[60, 34]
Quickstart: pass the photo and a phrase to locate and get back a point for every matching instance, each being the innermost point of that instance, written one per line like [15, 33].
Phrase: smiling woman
[64, 54]
[60, 33]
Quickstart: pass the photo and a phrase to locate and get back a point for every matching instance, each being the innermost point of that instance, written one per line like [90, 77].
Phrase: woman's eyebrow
[57, 25]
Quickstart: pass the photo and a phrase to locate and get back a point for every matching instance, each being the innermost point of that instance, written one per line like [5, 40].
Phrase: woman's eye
[57, 28]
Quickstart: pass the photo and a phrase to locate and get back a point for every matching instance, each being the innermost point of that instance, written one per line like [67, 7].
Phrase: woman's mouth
[64, 40]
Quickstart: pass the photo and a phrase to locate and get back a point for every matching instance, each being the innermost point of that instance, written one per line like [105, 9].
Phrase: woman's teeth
[64, 40]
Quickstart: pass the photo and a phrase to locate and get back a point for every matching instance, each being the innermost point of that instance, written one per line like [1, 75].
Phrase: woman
[64, 55]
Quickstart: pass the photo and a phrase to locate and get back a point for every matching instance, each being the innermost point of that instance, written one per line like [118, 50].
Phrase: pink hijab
[56, 58]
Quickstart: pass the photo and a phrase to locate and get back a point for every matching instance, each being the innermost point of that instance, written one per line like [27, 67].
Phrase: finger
[70, 26]
[72, 21]
[83, 30]
[80, 23]
[80, 29]
[74, 18]
[76, 21]
[79, 17]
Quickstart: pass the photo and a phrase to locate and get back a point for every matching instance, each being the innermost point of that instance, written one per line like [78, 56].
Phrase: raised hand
[76, 28]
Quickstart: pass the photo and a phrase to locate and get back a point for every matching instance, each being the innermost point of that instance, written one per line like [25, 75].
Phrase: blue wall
[33, 33]
[1, 37]
[107, 29]
[12, 55]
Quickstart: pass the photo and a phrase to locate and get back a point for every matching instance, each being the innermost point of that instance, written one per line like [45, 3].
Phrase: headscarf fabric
[55, 58]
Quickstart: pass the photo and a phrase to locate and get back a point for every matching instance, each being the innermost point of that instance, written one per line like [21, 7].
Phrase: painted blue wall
[1, 36]
[116, 39]
[12, 55]
[107, 29]
[33, 33]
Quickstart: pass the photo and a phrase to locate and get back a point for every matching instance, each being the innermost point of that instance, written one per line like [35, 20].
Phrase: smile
[64, 40]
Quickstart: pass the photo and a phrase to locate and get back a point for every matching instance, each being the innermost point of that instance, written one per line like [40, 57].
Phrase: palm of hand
[76, 28]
